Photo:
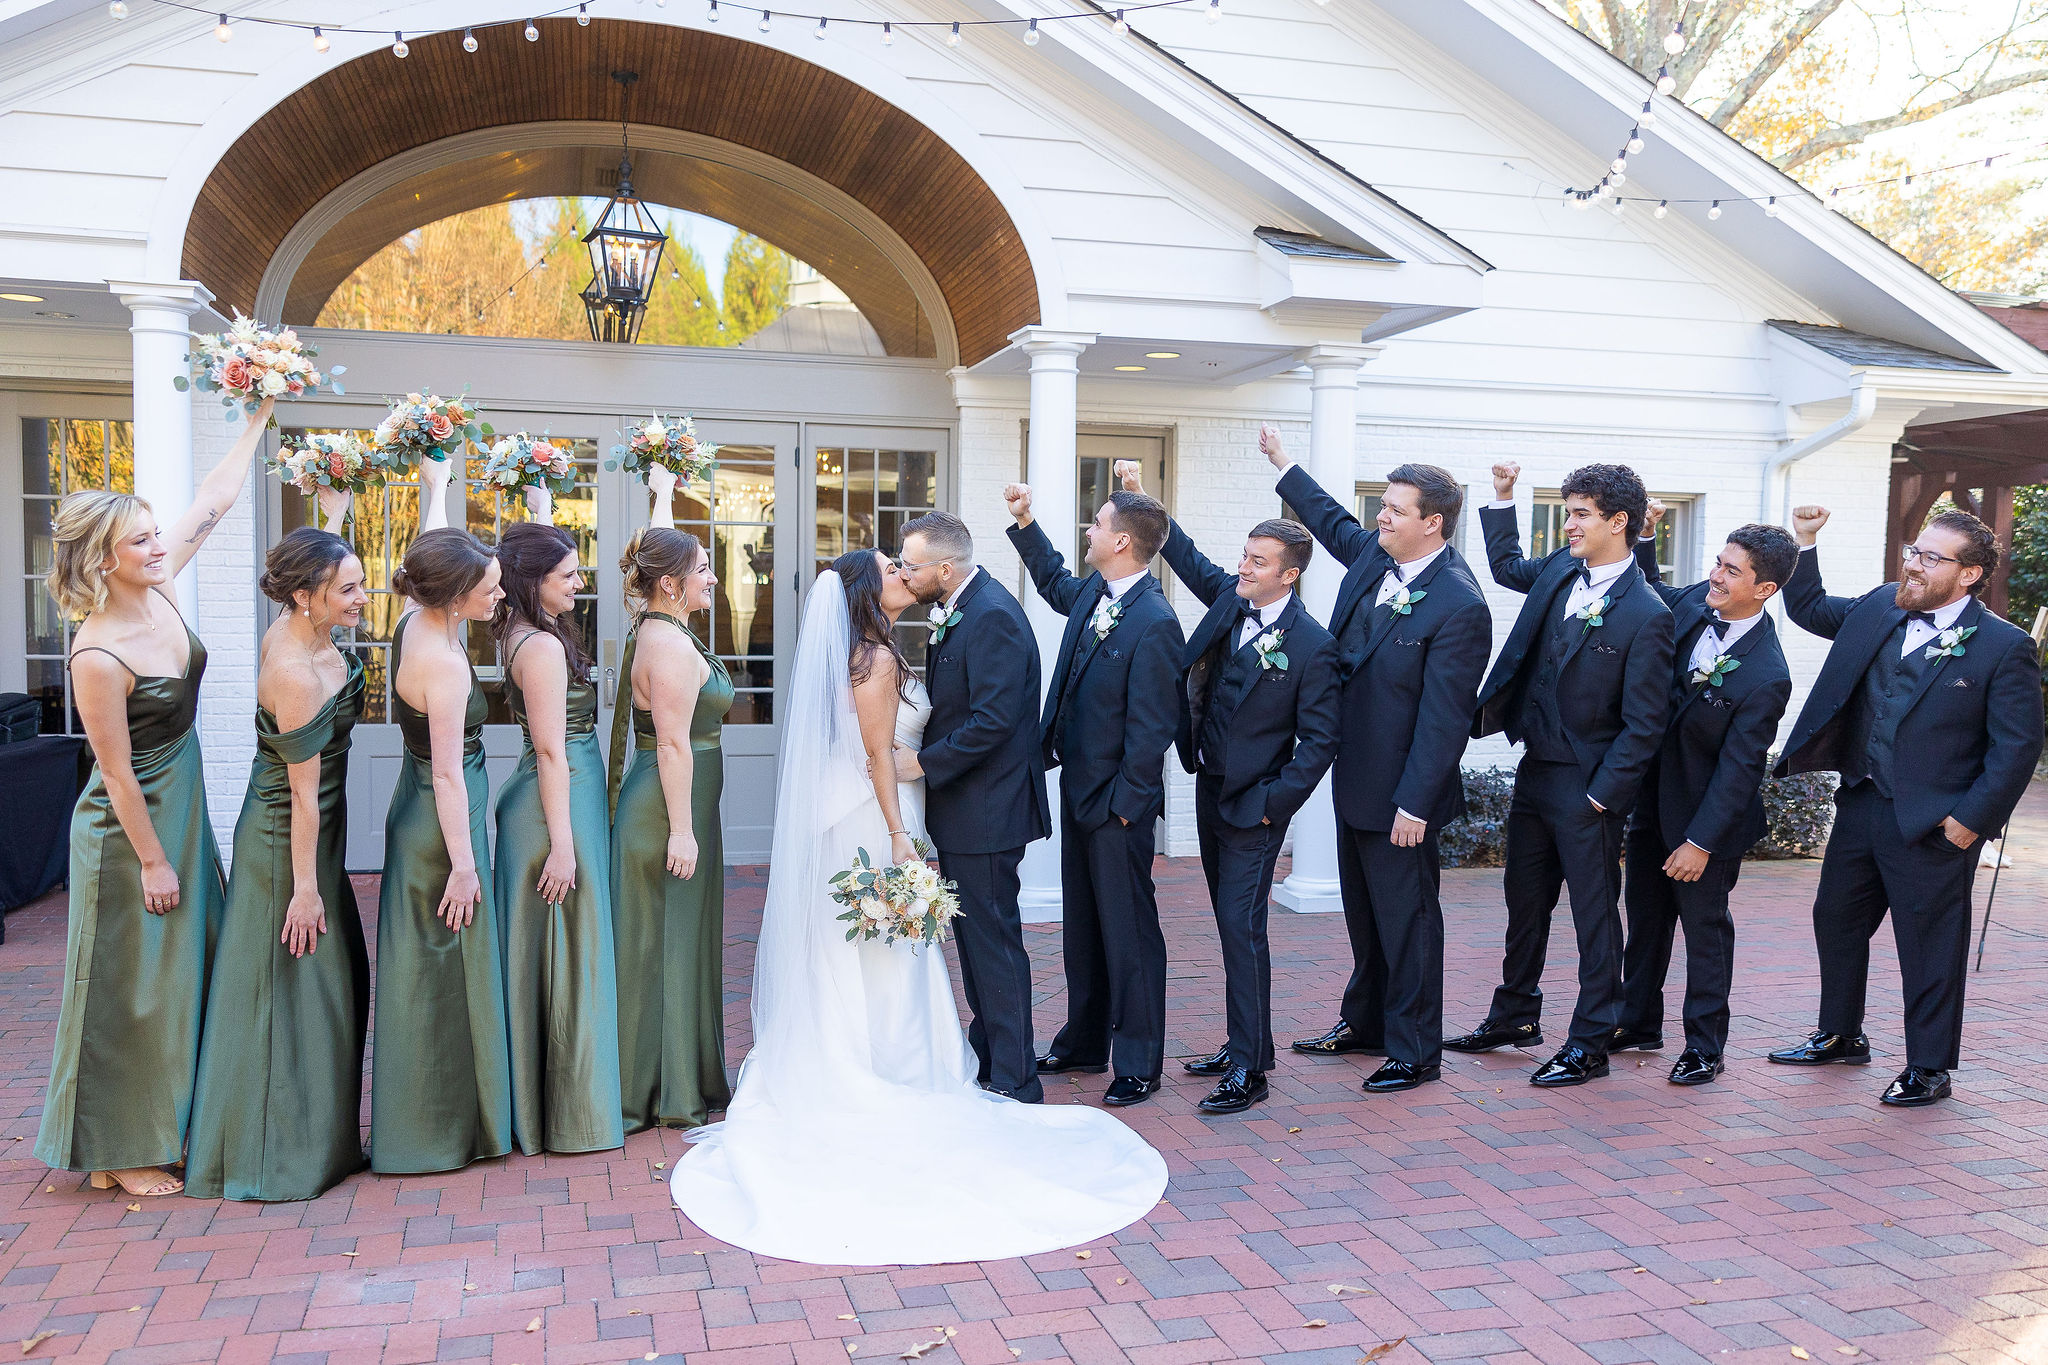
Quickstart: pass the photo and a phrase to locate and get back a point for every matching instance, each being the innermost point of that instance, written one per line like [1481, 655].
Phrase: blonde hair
[88, 526]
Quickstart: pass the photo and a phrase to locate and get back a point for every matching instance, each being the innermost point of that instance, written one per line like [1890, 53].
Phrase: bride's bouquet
[522, 461]
[425, 427]
[250, 362]
[338, 461]
[668, 442]
[909, 901]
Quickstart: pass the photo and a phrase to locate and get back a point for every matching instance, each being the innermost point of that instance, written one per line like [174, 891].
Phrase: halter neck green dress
[671, 933]
[561, 984]
[440, 1082]
[278, 1112]
[127, 1046]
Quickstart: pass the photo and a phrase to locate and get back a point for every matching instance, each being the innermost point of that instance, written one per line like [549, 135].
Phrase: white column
[162, 328]
[1332, 462]
[1050, 467]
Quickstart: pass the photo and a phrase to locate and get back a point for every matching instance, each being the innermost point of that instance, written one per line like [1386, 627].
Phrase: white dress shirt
[1708, 648]
[953, 597]
[1918, 633]
[1584, 592]
[1117, 587]
[1403, 574]
[1252, 625]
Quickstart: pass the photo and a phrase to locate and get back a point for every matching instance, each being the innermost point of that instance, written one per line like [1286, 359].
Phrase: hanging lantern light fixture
[625, 247]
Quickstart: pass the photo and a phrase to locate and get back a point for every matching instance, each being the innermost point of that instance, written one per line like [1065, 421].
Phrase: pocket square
[1605, 649]
[1960, 682]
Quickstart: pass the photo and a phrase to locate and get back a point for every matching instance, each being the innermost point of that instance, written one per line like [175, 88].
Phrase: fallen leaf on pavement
[135, 1208]
[848, 1317]
[351, 1254]
[469, 1289]
[1291, 1130]
[1381, 1351]
[1642, 1270]
[661, 1165]
[30, 1343]
[1083, 1255]
[1348, 1289]
[1315, 1322]
[533, 1326]
[917, 1352]
[1799, 1353]
[1698, 1302]
[1121, 1280]
[1847, 1351]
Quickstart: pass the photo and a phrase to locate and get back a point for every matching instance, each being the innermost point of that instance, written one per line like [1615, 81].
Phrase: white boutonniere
[1403, 601]
[1713, 673]
[1268, 647]
[1950, 642]
[1107, 614]
[941, 621]
[1594, 612]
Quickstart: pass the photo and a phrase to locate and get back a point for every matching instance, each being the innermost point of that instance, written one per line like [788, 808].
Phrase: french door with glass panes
[864, 484]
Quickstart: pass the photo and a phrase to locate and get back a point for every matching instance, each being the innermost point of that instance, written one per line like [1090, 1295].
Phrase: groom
[1111, 714]
[984, 784]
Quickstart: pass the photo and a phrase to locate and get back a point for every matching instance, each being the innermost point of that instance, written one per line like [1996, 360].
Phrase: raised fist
[1018, 496]
[434, 475]
[1269, 446]
[1807, 521]
[1504, 475]
[1654, 515]
[1129, 474]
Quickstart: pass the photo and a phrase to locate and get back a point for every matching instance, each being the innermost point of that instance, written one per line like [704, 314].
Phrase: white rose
[654, 430]
[273, 383]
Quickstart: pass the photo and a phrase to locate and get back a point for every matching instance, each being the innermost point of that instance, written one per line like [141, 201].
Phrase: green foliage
[2029, 551]
[756, 286]
[1479, 838]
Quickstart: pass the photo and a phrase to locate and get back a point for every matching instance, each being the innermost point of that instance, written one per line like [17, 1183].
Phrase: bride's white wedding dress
[857, 1135]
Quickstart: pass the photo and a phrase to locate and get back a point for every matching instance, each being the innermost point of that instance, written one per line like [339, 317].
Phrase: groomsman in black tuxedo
[1583, 684]
[1111, 713]
[1260, 680]
[1702, 805]
[1413, 631]
[984, 784]
[1929, 707]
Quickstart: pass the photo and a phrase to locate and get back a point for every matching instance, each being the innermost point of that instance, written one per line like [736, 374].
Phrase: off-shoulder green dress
[440, 1081]
[561, 984]
[278, 1112]
[671, 933]
[127, 1049]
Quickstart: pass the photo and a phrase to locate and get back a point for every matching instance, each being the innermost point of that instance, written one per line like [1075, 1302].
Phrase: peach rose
[439, 427]
[235, 373]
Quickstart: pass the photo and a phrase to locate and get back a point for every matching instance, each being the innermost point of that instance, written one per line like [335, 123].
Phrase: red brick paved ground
[1625, 1221]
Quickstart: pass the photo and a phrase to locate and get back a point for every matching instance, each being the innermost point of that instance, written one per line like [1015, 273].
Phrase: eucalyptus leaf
[180, 383]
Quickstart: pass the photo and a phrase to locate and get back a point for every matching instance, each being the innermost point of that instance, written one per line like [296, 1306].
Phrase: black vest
[1543, 732]
[1226, 685]
[1874, 713]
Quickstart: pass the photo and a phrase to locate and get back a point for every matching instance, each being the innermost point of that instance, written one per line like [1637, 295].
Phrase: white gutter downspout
[1862, 407]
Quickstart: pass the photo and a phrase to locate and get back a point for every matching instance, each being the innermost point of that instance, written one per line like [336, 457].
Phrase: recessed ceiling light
[1162, 355]
[67, 317]
[1129, 369]
[22, 298]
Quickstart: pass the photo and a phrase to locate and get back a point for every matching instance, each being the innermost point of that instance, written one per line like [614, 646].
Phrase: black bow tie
[1717, 628]
[1586, 575]
[1246, 611]
[1926, 616]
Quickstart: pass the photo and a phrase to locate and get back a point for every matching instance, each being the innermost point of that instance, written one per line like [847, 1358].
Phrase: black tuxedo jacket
[983, 772]
[1282, 722]
[1706, 784]
[1117, 694]
[1970, 737]
[1614, 689]
[1410, 683]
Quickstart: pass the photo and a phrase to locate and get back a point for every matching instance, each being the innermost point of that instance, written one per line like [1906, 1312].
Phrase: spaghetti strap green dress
[671, 933]
[278, 1112]
[127, 1049]
[440, 1079]
[561, 984]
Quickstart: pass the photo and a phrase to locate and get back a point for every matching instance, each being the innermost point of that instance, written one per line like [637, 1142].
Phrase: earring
[307, 613]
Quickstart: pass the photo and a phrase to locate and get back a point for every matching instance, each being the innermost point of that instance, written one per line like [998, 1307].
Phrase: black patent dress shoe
[1573, 1065]
[1397, 1075]
[1490, 1035]
[1625, 1038]
[1694, 1067]
[1051, 1065]
[1917, 1085]
[1335, 1043]
[1238, 1091]
[1129, 1090]
[1820, 1049]
[1217, 1064]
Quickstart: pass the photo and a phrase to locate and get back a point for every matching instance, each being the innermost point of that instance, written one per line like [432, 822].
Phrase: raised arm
[216, 492]
[1334, 528]
[1047, 568]
[1503, 528]
[1205, 578]
[875, 700]
[434, 476]
[541, 668]
[1646, 557]
[672, 687]
[1645, 707]
[661, 489]
[1000, 701]
[1152, 716]
[1806, 600]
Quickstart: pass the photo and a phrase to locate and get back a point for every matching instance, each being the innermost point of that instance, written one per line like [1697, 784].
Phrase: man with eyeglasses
[1929, 706]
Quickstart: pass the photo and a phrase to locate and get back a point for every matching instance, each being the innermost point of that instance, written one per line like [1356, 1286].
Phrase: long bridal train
[857, 1135]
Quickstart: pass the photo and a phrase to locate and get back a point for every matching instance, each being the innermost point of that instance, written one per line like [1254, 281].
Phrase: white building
[1346, 217]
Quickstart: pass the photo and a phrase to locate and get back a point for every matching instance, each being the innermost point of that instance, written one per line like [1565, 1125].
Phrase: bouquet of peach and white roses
[426, 427]
[523, 461]
[668, 442]
[250, 362]
[338, 461]
[909, 901]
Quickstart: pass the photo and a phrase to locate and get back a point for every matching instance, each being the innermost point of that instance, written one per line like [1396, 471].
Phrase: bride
[858, 1135]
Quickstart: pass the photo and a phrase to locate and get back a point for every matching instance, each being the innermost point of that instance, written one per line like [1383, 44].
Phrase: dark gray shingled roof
[1307, 244]
[1860, 348]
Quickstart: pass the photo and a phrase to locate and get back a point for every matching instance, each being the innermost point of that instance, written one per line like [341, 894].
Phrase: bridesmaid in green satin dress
[146, 888]
[668, 860]
[440, 1080]
[278, 1111]
[553, 862]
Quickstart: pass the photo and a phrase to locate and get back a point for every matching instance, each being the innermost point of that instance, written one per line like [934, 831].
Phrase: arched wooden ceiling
[375, 107]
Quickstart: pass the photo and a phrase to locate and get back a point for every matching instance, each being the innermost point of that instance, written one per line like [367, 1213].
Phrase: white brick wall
[225, 619]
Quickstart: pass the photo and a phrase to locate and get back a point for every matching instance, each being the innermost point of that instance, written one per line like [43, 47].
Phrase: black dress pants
[1395, 999]
[1115, 954]
[1656, 906]
[995, 970]
[1870, 869]
[1556, 839]
[1238, 864]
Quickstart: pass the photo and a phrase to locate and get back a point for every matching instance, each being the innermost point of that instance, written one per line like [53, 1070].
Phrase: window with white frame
[1677, 554]
[59, 456]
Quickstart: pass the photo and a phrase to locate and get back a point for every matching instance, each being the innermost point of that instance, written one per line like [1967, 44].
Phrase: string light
[468, 41]
[765, 19]
[583, 16]
[1666, 82]
[888, 35]
[532, 33]
[320, 43]
[1215, 12]
[1771, 209]
[1715, 212]
[819, 32]
[953, 36]
[221, 32]
[712, 17]
[1674, 41]
[1635, 141]
[398, 47]
[117, 9]
[1031, 35]
[1663, 207]
[1120, 27]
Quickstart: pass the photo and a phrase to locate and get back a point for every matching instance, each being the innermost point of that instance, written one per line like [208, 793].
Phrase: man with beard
[1929, 707]
[984, 784]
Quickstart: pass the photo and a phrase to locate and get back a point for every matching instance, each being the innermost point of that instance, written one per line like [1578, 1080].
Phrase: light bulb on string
[953, 37]
[1663, 207]
[1674, 41]
[1635, 141]
[712, 16]
[819, 32]
[1618, 165]
[532, 33]
[1581, 202]
[117, 9]
[221, 32]
[468, 40]
[1031, 35]
[1715, 211]
[1834, 200]
[1771, 209]
[1666, 82]
[1648, 117]
[1215, 11]
[766, 20]
[320, 43]
[583, 16]
[1620, 207]
[1122, 25]
[888, 34]
[398, 47]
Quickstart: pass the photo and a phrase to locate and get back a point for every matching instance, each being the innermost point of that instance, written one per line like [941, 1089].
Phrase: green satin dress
[127, 1047]
[671, 933]
[440, 1078]
[561, 984]
[278, 1112]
